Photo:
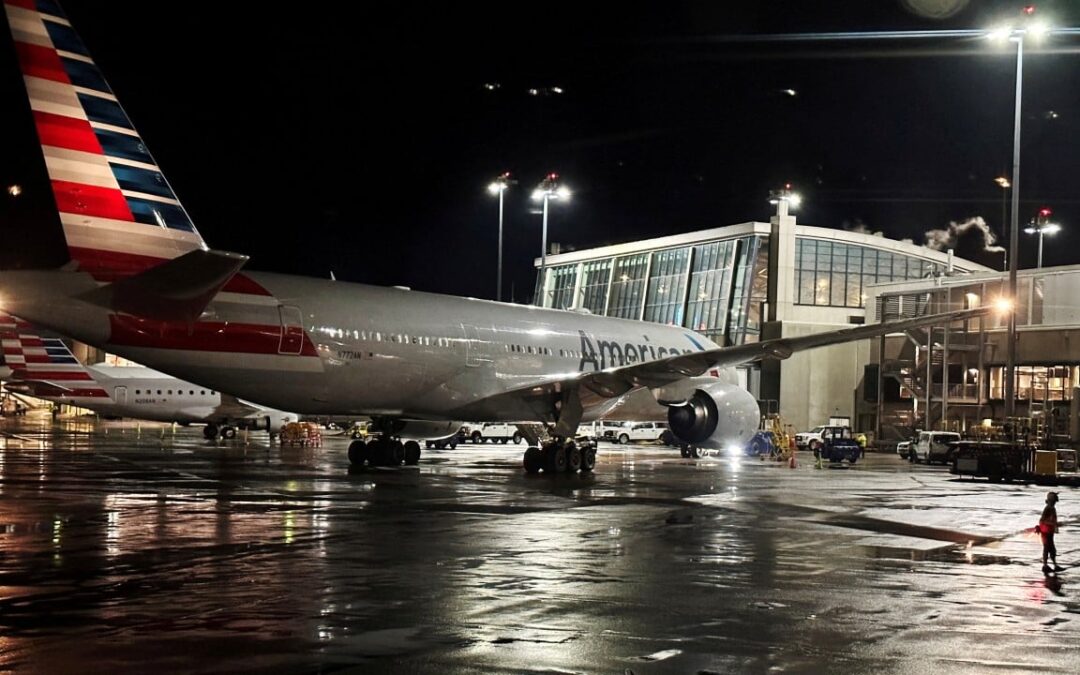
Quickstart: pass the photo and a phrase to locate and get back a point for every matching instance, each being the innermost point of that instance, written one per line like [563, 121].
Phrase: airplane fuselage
[317, 346]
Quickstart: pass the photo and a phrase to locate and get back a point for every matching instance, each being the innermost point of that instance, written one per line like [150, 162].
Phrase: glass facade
[834, 274]
[716, 288]
[628, 286]
[719, 288]
[665, 301]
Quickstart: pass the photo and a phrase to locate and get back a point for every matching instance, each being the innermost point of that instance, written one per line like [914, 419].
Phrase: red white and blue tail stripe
[119, 214]
[44, 364]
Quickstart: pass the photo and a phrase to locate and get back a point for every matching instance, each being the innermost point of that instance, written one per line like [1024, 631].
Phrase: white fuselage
[328, 347]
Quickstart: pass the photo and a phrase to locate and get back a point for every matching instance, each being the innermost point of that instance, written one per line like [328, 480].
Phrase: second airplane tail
[44, 364]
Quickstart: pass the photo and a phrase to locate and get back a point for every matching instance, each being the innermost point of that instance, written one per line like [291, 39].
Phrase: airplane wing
[664, 371]
[613, 382]
[235, 408]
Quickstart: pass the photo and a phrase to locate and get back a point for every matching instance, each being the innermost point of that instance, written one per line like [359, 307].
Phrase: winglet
[176, 290]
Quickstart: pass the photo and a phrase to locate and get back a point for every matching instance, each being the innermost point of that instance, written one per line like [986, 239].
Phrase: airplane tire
[573, 458]
[477, 438]
[210, 431]
[412, 453]
[588, 459]
[684, 450]
[228, 432]
[357, 453]
[694, 452]
[517, 438]
[532, 460]
[558, 460]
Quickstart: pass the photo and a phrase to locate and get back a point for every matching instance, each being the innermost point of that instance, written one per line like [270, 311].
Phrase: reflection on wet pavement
[125, 548]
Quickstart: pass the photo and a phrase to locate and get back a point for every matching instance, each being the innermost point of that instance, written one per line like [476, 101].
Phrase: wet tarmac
[144, 551]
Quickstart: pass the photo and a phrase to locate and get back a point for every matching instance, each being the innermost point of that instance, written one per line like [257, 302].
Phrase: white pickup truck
[496, 433]
[642, 431]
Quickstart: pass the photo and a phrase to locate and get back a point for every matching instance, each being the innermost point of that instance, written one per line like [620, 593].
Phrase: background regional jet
[135, 277]
[45, 367]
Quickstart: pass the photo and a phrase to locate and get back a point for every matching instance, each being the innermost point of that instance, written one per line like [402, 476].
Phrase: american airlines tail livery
[135, 277]
[45, 367]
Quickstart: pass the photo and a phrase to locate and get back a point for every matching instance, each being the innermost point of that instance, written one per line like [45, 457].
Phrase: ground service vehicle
[641, 431]
[996, 460]
[837, 444]
[809, 440]
[903, 448]
[933, 446]
[496, 432]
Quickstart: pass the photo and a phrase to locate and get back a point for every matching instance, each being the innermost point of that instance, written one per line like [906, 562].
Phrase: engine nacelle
[716, 416]
[415, 429]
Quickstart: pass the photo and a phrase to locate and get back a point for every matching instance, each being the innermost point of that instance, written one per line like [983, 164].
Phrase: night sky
[360, 140]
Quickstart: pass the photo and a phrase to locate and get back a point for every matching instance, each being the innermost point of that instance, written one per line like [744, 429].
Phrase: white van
[933, 446]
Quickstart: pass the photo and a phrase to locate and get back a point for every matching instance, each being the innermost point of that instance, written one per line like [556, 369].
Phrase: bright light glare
[794, 199]
[733, 450]
[1052, 228]
[999, 33]
[1003, 305]
[1030, 229]
[563, 192]
[1003, 182]
[538, 195]
[1039, 28]
[496, 187]
[973, 299]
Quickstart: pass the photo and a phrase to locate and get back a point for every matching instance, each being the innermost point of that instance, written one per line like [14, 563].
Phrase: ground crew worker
[1048, 525]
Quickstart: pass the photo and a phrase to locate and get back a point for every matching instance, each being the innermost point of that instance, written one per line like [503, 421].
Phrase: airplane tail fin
[118, 214]
[45, 364]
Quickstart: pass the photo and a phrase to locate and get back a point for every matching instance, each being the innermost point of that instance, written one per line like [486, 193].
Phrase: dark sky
[361, 139]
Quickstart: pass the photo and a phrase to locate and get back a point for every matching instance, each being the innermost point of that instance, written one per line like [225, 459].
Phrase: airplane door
[292, 330]
[120, 395]
[477, 345]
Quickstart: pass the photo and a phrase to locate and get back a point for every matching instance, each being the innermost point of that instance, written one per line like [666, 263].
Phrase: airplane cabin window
[159, 392]
[202, 392]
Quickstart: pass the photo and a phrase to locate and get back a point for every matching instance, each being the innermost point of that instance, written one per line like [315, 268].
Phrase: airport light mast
[548, 189]
[1042, 225]
[498, 186]
[1027, 26]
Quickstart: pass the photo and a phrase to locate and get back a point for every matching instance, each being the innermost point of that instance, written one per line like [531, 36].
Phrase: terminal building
[953, 377]
[753, 281]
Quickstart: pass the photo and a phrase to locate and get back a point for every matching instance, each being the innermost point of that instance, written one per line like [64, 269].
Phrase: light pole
[1042, 225]
[498, 186]
[548, 189]
[1028, 26]
[1004, 184]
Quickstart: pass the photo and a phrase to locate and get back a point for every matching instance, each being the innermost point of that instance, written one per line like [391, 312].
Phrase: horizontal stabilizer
[176, 290]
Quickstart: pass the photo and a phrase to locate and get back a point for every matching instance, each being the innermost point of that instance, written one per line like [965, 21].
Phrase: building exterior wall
[747, 282]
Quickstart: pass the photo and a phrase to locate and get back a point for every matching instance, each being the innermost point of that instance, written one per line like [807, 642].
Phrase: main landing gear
[560, 456]
[691, 451]
[211, 431]
[384, 451]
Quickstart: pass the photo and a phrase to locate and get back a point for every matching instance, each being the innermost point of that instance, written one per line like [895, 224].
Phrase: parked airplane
[137, 279]
[45, 368]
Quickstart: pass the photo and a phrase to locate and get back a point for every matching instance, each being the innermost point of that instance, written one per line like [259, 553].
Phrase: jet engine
[716, 416]
[417, 429]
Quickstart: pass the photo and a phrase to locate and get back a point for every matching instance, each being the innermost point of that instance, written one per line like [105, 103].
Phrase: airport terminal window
[561, 286]
[749, 290]
[627, 286]
[1036, 383]
[666, 297]
[830, 273]
[596, 275]
[710, 287]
